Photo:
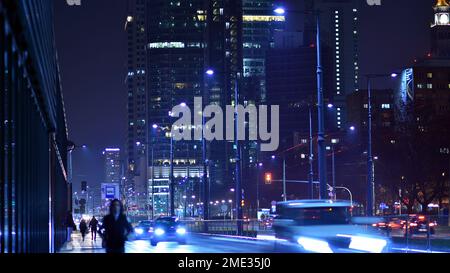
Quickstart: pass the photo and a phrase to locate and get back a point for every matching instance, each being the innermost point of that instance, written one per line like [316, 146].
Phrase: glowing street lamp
[280, 11]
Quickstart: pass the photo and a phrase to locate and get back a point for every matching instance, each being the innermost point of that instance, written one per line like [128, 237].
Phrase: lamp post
[258, 174]
[370, 166]
[333, 159]
[320, 103]
[239, 215]
[210, 73]
[311, 157]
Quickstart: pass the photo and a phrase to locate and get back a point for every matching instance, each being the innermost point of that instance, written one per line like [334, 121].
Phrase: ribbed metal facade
[33, 134]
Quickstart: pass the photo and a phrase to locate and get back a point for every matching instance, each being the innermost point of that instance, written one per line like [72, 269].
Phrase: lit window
[386, 106]
[429, 75]
[429, 85]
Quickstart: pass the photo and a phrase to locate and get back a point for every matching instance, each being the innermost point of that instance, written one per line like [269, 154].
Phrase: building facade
[340, 32]
[175, 60]
[113, 168]
[34, 188]
[136, 86]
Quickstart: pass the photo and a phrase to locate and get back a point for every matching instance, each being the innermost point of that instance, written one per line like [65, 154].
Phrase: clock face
[444, 19]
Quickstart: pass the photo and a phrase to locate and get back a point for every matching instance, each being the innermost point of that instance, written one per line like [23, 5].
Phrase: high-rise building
[260, 25]
[175, 65]
[224, 55]
[340, 32]
[291, 84]
[136, 86]
[259, 28]
[113, 170]
[440, 30]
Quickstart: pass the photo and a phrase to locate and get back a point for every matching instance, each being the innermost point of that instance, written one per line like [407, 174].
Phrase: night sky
[92, 50]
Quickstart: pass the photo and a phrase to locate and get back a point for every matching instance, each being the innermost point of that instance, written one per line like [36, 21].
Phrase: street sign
[110, 191]
[224, 208]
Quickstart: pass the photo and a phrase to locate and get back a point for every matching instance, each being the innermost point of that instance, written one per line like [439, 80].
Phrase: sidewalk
[78, 246]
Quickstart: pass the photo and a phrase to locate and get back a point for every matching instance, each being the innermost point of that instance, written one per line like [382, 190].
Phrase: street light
[258, 173]
[280, 11]
[370, 165]
[333, 164]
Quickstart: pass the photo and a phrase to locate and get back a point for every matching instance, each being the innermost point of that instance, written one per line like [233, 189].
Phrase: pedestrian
[70, 226]
[93, 225]
[116, 228]
[83, 228]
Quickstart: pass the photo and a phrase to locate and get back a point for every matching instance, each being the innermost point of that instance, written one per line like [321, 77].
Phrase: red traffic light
[268, 178]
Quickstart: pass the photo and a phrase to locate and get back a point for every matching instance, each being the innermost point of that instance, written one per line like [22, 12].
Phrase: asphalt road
[198, 243]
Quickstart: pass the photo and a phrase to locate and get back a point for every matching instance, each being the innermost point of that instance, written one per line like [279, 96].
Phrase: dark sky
[92, 51]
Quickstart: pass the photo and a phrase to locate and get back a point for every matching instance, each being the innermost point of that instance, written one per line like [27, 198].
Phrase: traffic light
[268, 178]
[242, 203]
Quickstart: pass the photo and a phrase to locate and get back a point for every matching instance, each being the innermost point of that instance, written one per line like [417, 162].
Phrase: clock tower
[440, 30]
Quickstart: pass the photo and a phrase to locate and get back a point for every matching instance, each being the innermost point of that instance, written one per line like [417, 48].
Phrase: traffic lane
[213, 244]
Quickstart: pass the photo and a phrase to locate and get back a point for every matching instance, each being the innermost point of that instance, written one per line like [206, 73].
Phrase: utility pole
[370, 177]
[153, 183]
[284, 179]
[334, 171]
[172, 182]
[311, 156]
[321, 123]
[238, 189]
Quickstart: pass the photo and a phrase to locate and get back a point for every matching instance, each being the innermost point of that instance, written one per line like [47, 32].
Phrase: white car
[326, 226]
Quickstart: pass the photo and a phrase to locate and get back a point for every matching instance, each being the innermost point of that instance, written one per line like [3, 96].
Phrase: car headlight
[181, 231]
[139, 231]
[159, 231]
[314, 245]
[372, 245]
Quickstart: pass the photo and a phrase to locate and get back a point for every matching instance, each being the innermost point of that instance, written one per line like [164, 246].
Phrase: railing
[250, 228]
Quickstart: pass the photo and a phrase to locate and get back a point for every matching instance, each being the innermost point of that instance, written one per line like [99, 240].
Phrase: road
[203, 244]
[196, 244]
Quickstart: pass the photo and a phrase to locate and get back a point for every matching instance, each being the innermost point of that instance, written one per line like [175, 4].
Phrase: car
[419, 224]
[389, 224]
[143, 230]
[168, 229]
[327, 226]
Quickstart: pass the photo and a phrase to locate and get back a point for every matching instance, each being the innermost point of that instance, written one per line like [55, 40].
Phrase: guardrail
[250, 228]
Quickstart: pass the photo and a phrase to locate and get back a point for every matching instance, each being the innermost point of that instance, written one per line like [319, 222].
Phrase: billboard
[110, 191]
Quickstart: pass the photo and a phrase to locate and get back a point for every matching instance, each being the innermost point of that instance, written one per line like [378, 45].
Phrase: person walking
[93, 225]
[83, 228]
[116, 228]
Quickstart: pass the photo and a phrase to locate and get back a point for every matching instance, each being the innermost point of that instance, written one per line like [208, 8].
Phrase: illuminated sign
[263, 18]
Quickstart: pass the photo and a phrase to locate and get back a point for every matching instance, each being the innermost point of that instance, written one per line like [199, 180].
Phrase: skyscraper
[260, 25]
[440, 30]
[339, 31]
[112, 165]
[136, 152]
[224, 55]
[175, 65]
